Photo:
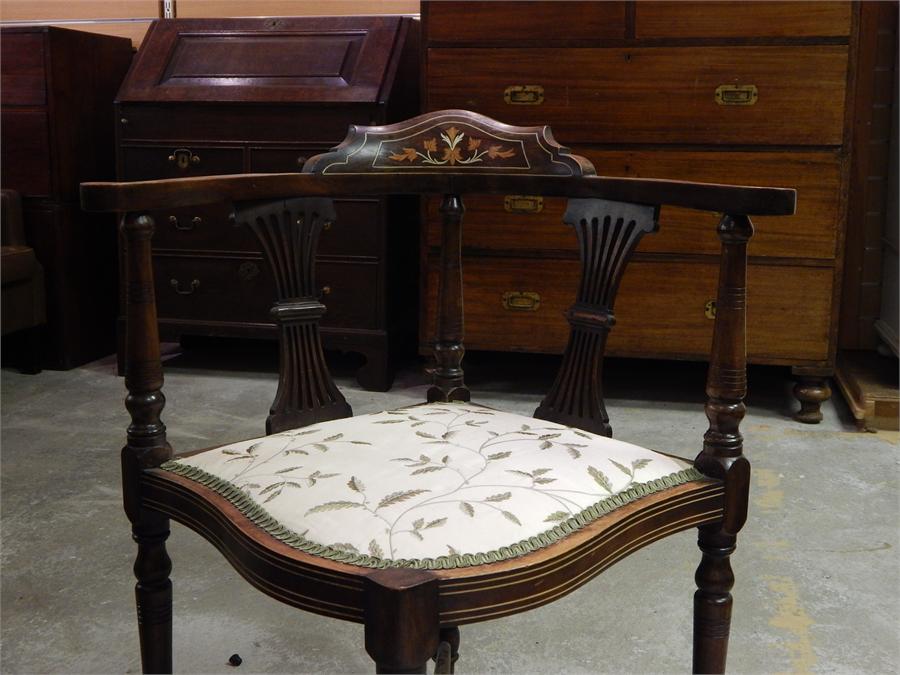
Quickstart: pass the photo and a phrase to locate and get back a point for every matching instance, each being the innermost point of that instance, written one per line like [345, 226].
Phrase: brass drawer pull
[194, 285]
[521, 301]
[736, 94]
[523, 203]
[326, 290]
[709, 309]
[196, 220]
[183, 158]
[524, 94]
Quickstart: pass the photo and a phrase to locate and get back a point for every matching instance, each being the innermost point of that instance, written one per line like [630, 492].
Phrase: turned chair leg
[153, 592]
[448, 651]
[712, 601]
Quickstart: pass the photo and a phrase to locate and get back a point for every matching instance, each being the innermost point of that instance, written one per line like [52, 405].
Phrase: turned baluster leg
[401, 619]
[722, 454]
[448, 651]
[448, 350]
[146, 448]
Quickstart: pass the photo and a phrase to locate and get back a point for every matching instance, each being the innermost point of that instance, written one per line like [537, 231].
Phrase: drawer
[179, 161]
[741, 19]
[203, 228]
[660, 309]
[355, 231]
[210, 288]
[514, 22]
[281, 160]
[350, 292]
[22, 77]
[503, 224]
[25, 152]
[654, 94]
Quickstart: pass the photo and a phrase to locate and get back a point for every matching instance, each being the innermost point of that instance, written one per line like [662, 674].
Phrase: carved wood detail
[608, 233]
[288, 232]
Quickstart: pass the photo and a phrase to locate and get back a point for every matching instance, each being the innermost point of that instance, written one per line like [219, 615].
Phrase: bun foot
[811, 392]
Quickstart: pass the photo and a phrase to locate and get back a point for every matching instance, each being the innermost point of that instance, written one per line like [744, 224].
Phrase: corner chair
[416, 521]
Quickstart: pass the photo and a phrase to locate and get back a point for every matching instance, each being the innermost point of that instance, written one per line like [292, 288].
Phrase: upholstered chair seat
[431, 486]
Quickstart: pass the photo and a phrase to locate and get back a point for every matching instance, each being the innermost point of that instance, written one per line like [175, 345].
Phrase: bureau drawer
[350, 292]
[355, 231]
[210, 288]
[179, 161]
[499, 223]
[660, 311]
[515, 22]
[25, 152]
[655, 94]
[281, 160]
[22, 77]
[741, 19]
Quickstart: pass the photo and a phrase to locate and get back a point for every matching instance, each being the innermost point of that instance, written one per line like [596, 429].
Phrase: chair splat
[608, 233]
[288, 232]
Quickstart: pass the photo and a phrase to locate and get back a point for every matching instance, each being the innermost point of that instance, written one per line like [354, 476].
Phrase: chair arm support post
[726, 385]
[448, 384]
[147, 446]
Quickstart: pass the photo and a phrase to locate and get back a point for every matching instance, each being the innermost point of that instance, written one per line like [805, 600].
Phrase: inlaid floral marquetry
[450, 141]
[450, 149]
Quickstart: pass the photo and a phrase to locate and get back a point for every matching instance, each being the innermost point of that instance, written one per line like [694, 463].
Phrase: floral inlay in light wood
[451, 150]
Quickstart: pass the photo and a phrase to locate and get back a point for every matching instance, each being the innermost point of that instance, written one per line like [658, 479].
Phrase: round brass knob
[326, 290]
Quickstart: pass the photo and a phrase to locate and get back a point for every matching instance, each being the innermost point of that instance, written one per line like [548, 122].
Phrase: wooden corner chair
[419, 520]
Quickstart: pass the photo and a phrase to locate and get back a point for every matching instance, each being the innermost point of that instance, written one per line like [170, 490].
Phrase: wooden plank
[226, 8]
[869, 384]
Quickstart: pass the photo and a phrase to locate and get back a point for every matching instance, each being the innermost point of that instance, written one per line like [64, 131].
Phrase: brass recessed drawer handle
[185, 227]
[183, 158]
[523, 203]
[709, 309]
[521, 301]
[194, 285]
[737, 94]
[524, 94]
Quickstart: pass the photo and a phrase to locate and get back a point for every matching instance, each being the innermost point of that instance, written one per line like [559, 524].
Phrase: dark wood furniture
[56, 122]
[23, 303]
[725, 92]
[411, 615]
[220, 96]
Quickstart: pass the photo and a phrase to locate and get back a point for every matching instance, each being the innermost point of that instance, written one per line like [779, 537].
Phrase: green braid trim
[261, 518]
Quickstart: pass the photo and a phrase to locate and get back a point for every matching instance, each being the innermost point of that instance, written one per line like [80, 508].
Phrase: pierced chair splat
[418, 520]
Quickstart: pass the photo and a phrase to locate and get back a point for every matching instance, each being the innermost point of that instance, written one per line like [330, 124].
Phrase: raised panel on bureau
[751, 93]
[222, 96]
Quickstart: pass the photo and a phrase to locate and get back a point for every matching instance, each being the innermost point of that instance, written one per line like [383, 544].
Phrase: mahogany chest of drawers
[746, 93]
[220, 96]
[58, 87]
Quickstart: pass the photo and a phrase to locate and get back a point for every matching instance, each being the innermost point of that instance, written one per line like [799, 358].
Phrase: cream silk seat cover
[439, 485]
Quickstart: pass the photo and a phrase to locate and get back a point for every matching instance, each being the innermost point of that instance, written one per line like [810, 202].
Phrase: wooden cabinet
[57, 130]
[221, 96]
[732, 92]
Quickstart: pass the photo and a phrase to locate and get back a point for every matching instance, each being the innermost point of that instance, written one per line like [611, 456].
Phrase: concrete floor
[817, 570]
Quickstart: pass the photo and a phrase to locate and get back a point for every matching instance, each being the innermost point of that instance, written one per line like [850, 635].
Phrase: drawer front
[208, 288]
[242, 289]
[513, 22]
[22, 77]
[654, 95]
[179, 161]
[499, 223]
[350, 292]
[785, 323]
[25, 152]
[355, 231]
[741, 19]
[281, 160]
